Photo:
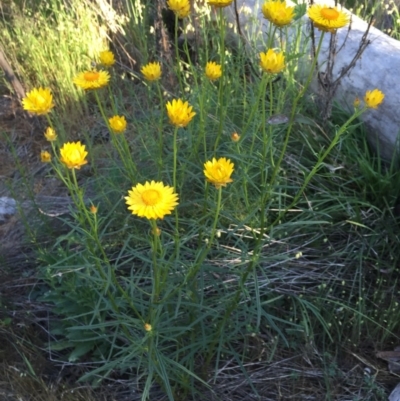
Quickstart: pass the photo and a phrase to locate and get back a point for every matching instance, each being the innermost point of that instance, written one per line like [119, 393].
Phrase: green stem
[175, 150]
[294, 109]
[178, 63]
[221, 89]
[78, 196]
[160, 131]
[319, 163]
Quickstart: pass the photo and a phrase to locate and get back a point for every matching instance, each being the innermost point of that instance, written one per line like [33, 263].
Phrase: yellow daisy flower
[117, 124]
[213, 71]
[38, 101]
[151, 71]
[218, 172]
[327, 19]
[180, 113]
[278, 12]
[92, 79]
[272, 62]
[219, 3]
[50, 134]
[73, 155]
[180, 7]
[153, 200]
[45, 156]
[373, 98]
[107, 58]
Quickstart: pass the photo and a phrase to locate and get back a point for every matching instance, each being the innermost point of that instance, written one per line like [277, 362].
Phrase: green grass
[297, 256]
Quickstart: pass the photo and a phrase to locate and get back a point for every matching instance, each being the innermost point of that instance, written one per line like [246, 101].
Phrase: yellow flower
[45, 156]
[38, 101]
[327, 19]
[272, 62]
[219, 3]
[92, 79]
[218, 172]
[152, 200]
[73, 154]
[50, 134]
[151, 71]
[213, 71]
[373, 98]
[117, 124]
[278, 12]
[107, 58]
[180, 113]
[93, 209]
[180, 7]
[147, 326]
[235, 137]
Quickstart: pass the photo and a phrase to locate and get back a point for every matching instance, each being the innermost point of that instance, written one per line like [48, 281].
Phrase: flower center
[41, 100]
[220, 172]
[330, 13]
[151, 197]
[91, 76]
[75, 155]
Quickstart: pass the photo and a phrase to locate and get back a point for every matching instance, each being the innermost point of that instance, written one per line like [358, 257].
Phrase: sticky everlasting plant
[218, 172]
[107, 58]
[213, 70]
[180, 113]
[153, 200]
[38, 101]
[327, 19]
[278, 12]
[118, 124]
[73, 155]
[92, 79]
[219, 3]
[151, 71]
[50, 134]
[272, 62]
[373, 98]
[163, 273]
[180, 7]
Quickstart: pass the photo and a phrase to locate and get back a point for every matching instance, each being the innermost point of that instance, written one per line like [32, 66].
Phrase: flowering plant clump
[45, 156]
[50, 134]
[73, 155]
[219, 3]
[180, 113]
[373, 98]
[153, 200]
[107, 58]
[117, 124]
[38, 101]
[92, 79]
[151, 71]
[278, 12]
[213, 71]
[272, 62]
[327, 19]
[218, 172]
[180, 7]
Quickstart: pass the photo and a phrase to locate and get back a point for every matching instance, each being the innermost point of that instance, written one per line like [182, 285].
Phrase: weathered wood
[10, 76]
